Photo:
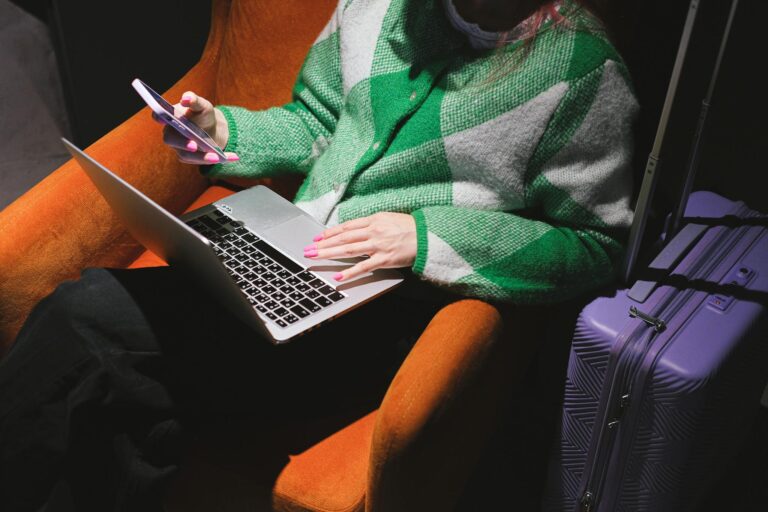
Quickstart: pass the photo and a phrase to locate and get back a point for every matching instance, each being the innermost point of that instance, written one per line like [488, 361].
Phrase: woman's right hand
[201, 112]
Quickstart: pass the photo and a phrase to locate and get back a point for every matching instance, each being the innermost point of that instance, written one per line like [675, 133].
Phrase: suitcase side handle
[667, 259]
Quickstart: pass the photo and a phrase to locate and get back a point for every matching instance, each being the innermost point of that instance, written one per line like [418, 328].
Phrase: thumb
[194, 103]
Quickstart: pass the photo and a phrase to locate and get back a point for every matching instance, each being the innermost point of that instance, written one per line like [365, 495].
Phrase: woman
[484, 144]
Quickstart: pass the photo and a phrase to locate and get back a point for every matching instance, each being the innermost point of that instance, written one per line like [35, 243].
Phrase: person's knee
[84, 299]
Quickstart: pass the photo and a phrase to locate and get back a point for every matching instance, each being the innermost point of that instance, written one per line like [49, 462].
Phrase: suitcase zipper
[641, 338]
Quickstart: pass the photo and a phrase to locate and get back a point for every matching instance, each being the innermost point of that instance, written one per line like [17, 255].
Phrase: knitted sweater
[514, 163]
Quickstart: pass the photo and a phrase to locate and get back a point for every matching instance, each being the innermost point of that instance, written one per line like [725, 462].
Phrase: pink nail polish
[211, 157]
[338, 277]
[191, 146]
[186, 97]
[310, 254]
[310, 247]
[232, 158]
[317, 238]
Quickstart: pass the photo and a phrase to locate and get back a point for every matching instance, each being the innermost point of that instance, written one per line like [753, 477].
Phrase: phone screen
[202, 134]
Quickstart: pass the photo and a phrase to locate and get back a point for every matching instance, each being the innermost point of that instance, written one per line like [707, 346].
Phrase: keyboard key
[269, 290]
[250, 290]
[325, 290]
[291, 319]
[280, 311]
[209, 222]
[278, 296]
[261, 298]
[259, 283]
[309, 305]
[231, 237]
[243, 284]
[316, 283]
[286, 289]
[241, 231]
[261, 308]
[300, 311]
[252, 301]
[278, 283]
[271, 304]
[239, 243]
[250, 276]
[248, 249]
[295, 295]
[281, 323]
[306, 276]
[279, 257]
[323, 301]
[293, 280]
[313, 294]
[284, 274]
[287, 303]
[250, 238]
[274, 267]
[221, 231]
[335, 296]
[303, 287]
[272, 316]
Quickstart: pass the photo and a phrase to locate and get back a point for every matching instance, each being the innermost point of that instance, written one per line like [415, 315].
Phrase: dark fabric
[112, 372]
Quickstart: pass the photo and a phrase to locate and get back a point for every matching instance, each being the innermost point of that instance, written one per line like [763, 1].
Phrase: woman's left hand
[389, 239]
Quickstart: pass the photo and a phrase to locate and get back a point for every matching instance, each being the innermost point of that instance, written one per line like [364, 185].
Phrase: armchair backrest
[262, 47]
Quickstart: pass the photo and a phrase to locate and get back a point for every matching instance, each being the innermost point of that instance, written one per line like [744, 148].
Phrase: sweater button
[413, 95]
[376, 145]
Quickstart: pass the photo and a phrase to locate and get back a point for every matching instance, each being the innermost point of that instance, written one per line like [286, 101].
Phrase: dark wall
[732, 162]
[102, 46]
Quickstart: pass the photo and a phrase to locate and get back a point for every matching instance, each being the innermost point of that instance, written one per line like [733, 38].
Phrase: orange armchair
[413, 453]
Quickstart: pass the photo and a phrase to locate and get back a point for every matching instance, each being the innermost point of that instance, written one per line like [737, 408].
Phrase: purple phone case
[652, 412]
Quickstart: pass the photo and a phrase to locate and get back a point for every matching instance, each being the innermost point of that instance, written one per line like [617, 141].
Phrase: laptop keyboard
[281, 289]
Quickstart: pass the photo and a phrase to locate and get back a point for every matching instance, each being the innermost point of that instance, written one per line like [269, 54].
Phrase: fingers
[358, 269]
[352, 250]
[360, 223]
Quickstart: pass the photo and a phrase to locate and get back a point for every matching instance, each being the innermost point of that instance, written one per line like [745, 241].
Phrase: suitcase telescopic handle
[673, 252]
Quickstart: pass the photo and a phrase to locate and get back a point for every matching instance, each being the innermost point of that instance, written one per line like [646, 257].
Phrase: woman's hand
[201, 112]
[389, 239]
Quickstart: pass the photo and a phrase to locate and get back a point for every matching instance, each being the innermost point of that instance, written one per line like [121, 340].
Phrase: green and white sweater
[515, 170]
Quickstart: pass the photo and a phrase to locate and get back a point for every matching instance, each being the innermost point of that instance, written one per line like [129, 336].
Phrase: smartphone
[184, 126]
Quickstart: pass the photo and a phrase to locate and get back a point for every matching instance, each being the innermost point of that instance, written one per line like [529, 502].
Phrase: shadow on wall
[31, 103]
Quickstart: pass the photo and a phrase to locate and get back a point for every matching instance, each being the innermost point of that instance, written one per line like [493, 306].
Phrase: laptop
[247, 250]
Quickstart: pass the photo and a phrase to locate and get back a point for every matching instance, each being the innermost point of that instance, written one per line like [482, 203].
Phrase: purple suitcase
[659, 393]
[664, 378]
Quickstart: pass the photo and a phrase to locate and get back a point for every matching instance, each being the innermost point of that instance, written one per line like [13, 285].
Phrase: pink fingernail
[310, 247]
[232, 158]
[339, 276]
[310, 254]
[211, 157]
[317, 238]
[192, 146]
[186, 97]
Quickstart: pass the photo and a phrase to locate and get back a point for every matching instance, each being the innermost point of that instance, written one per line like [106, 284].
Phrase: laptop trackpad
[295, 234]
[260, 208]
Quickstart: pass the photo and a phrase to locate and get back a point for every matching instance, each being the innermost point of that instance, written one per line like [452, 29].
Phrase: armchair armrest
[63, 224]
[440, 409]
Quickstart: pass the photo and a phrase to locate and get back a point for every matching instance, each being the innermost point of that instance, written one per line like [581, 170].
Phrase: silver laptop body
[248, 251]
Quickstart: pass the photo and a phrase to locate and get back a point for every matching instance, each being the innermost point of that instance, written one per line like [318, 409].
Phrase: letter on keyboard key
[300, 311]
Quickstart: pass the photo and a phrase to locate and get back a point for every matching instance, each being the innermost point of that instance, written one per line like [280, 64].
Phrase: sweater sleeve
[577, 192]
[288, 139]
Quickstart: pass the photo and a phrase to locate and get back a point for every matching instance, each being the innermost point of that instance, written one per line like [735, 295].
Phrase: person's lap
[135, 353]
